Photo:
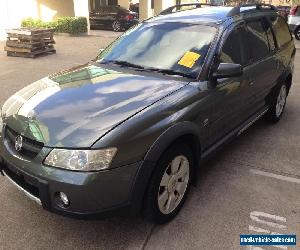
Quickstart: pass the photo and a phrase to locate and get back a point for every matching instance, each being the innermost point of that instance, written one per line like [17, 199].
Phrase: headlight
[81, 160]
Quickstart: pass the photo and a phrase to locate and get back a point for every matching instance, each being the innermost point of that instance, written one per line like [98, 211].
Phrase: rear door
[263, 62]
[286, 48]
[270, 58]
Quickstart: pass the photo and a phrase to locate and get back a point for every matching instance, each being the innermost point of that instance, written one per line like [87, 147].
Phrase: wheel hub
[172, 184]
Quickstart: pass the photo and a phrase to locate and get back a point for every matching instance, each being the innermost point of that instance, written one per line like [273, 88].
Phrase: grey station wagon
[125, 133]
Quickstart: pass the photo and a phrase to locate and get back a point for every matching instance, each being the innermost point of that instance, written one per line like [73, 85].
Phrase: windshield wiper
[163, 71]
[124, 63]
[170, 72]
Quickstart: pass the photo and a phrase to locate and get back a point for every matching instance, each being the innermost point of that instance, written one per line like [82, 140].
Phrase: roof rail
[178, 6]
[258, 7]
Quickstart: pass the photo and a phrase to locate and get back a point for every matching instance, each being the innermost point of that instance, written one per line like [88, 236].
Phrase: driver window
[233, 50]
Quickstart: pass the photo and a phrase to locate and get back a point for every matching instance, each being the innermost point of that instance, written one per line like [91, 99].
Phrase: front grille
[30, 148]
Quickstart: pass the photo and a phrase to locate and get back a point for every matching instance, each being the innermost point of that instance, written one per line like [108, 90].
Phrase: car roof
[211, 14]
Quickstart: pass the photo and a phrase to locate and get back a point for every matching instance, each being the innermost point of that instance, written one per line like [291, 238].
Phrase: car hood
[74, 108]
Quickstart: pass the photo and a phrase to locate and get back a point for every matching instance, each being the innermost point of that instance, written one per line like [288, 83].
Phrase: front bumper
[118, 191]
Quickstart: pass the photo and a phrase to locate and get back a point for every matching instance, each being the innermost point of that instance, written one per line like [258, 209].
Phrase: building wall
[161, 5]
[145, 9]
[50, 9]
[124, 3]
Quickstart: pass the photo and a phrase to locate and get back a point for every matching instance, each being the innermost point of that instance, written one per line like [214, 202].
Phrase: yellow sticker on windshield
[189, 59]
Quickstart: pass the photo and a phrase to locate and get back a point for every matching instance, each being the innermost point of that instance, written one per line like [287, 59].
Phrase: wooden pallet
[29, 31]
[37, 37]
[27, 50]
[33, 54]
[25, 44]
[29, 43]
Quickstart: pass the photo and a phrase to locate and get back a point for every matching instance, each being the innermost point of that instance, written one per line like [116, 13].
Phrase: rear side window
[281, 31]
[267, 26]
[257, 40]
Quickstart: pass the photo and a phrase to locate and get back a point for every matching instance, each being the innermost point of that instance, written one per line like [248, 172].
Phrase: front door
[231, 97]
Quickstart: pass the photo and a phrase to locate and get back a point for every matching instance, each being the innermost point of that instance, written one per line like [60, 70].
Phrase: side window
[258, 40]
[234, 49]
[267, 26]
[281, 31]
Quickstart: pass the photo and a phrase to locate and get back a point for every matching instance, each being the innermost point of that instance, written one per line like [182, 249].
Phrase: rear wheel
[297, 33]
[116, 25]
[277, 107]
[169, 184]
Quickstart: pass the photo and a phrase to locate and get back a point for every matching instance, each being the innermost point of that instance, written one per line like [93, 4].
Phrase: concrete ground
[105, 33]
[251, 186]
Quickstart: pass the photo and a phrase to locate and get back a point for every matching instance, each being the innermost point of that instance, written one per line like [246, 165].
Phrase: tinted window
[257, 40]
[272, 45]
[234, 49]
[281, 31]
[270, 35]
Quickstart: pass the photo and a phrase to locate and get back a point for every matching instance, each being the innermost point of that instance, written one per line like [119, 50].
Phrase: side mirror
[226, 70]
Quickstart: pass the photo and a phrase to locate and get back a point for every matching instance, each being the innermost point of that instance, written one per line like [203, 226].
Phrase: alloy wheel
[173, 184]
[281, 99]
[298, 33]
[116, 26]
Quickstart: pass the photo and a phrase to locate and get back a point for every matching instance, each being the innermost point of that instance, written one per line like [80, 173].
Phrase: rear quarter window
[281, 31]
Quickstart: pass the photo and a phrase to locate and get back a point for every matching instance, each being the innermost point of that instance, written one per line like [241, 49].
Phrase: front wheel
[169, 184]
[277, 107]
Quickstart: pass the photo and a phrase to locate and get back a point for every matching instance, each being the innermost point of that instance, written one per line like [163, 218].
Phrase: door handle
[251, 83]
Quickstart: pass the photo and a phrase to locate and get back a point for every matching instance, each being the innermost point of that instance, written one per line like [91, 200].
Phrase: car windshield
[168, 48]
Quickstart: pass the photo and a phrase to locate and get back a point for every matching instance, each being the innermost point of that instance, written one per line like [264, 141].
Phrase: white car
[294, 21]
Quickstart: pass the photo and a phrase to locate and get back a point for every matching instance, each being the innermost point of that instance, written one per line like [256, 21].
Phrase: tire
[116, 26]
[278, 104]
[297, 33]
[163, 199]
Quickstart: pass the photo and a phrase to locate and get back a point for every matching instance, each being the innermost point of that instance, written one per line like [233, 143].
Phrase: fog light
[64, 199]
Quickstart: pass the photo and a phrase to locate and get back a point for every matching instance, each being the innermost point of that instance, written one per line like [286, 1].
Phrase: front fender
[170, 135]
[160, 145]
